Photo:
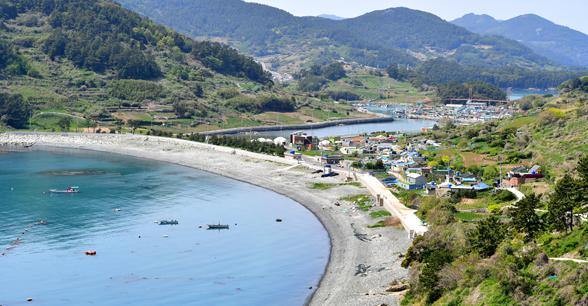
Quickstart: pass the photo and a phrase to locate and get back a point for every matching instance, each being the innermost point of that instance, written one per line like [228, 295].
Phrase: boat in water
[217, 226]
[68, 190]
[164, 222]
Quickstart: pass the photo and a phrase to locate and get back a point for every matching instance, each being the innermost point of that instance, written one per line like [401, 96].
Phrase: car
[330, 174]
[388, 179]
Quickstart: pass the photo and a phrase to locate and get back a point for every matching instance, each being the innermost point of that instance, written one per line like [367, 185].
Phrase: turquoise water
[256, 262]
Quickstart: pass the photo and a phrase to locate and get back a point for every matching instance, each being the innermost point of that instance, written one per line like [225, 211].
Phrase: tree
[524, 218]
[119, 123]
[582, 184]
[334, 71]
[13, 110]
[198, 91]
[562, 204]
[64, 123]
[392, 71]
[134, 123]
[446, 159]
[488, 234]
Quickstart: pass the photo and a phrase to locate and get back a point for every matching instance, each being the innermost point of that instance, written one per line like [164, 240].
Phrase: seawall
[292, 127]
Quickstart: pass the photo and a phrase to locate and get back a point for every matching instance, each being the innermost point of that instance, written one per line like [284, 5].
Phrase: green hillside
[379, 38]
[505, 256]
[556, 42]
[101, 64]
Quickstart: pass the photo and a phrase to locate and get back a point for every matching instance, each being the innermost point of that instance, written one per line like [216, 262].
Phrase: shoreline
[352, 245]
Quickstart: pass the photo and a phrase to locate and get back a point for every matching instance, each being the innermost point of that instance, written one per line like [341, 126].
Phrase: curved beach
[362, 261]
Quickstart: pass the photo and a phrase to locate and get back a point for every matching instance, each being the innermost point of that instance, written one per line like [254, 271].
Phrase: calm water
[256, 262]
[398, 125]
[517, 94]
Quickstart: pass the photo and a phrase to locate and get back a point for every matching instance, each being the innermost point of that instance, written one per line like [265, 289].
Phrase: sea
[518, 94]
[257, 261]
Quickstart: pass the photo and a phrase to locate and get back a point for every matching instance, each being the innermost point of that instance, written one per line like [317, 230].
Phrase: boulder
[397, 288]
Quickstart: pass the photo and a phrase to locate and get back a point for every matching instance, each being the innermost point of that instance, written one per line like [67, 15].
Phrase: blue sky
[570, 13]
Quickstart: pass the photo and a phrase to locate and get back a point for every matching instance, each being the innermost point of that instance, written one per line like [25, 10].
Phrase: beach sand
[361, 264]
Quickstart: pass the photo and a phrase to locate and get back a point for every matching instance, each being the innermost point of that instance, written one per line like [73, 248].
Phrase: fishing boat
[164, 222]
[68, 190]
[217, 226]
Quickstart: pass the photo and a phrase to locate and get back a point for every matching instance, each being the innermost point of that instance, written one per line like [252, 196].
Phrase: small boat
[164, 222]
[68, 190]
[217, 226]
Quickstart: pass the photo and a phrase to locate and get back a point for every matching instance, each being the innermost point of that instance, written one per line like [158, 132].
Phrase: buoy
[165, 236]
[2, 255]
[200, 226]
[29, 299]
[139, 236]
[11, 188]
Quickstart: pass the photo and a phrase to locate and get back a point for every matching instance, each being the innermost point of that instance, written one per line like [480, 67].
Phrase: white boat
[164, 222]
[67, 191]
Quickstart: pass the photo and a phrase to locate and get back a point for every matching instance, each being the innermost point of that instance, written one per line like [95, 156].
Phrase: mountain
[380, 38]
[93, 57]
[332, 17]
[556, 42]
[476, 23]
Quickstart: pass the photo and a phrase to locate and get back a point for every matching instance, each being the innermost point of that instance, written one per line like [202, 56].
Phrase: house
[521, 175]
[427, 169]
[351, 150]
[302, 140]
[334, 139]
[383, 147]
[413, 181]
[293, 155]
[467, 179]
[330, 159]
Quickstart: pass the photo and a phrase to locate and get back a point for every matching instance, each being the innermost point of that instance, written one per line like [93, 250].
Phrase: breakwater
[301, 126]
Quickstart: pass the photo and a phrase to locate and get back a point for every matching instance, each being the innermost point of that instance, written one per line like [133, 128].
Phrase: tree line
[443, 71]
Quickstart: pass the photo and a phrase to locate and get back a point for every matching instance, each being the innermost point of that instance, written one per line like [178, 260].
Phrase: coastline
[361, 264]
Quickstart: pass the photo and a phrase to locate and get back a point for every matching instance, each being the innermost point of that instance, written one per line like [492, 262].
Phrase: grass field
[470, 158]
[519, 122]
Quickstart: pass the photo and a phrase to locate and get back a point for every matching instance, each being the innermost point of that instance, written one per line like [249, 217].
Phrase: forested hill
[440, 71]
[559, 43]
[103, 36]
[379, 38]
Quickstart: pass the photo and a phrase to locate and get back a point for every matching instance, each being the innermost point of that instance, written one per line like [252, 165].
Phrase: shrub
[506, 196]
[494, 209]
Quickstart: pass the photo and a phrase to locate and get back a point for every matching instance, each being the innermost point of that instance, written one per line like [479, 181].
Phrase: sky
[570, 13]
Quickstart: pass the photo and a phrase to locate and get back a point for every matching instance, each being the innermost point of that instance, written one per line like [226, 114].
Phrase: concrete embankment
[411, 223]
[293, 127]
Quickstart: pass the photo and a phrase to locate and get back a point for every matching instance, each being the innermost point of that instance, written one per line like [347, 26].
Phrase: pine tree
[562, 204]
[488, 234]
[582, 184]
[524, 218]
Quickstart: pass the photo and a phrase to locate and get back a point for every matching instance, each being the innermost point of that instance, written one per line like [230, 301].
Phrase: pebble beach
[363, 261]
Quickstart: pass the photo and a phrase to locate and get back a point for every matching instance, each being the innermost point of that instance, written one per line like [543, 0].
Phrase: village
[403, 163]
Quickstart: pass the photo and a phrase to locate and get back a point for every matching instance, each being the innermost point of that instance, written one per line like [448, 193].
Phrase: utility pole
[500, 178]
[31, 119]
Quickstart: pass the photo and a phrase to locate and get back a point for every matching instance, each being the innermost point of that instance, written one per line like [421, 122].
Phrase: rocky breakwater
[9, 141]
[30, 139]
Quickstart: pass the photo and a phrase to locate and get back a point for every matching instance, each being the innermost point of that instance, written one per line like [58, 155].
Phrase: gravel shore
[363, 261]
